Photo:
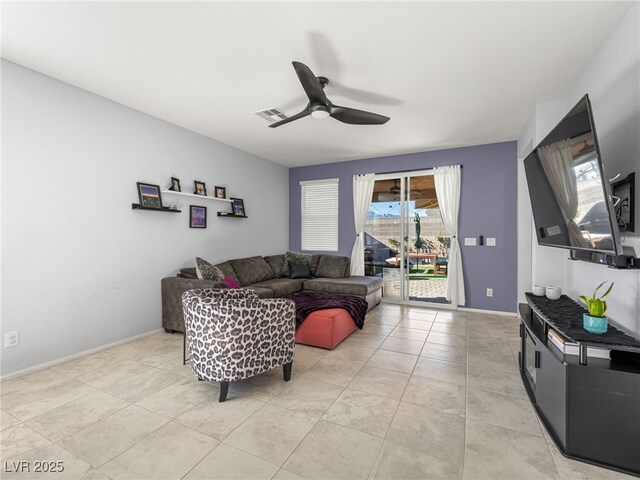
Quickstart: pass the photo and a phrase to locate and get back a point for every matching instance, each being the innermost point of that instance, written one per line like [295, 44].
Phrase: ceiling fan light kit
[320, 107]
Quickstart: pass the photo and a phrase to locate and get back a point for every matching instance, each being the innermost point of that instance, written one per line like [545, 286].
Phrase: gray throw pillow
[331, 266]
[207, 271]
[294, 257]
[299, 270]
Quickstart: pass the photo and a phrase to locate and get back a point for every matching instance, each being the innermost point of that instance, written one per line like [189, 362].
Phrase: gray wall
[80, 268]
[488, 207]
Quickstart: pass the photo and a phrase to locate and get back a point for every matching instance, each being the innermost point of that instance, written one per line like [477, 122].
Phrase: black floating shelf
[137, 206]
[231, 215]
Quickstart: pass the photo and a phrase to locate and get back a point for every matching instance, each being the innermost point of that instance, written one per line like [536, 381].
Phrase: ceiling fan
[319, 105]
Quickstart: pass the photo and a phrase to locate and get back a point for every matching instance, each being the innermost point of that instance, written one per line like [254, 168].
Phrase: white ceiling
[447, 73]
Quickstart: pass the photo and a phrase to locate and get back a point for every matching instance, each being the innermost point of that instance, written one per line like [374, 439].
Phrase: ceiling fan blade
[310, 83]
[297, 116]
[357, 117]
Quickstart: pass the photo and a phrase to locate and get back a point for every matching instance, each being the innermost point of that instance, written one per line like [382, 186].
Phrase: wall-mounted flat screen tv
[570, 193]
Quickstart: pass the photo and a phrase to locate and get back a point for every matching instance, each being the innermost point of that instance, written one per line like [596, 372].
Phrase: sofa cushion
[355, 285]
[251, 270]
[189, 272]
[313, 264]
[331, 266]
[276, 262]
[227, 270]
[294, 257]
[207, 271]
[281, 286]
[299, 270]
[261, 292]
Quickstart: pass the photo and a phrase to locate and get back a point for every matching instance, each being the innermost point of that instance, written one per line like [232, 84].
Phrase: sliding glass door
[405, 240]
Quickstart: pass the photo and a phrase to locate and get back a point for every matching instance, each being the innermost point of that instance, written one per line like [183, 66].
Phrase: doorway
[406, 242]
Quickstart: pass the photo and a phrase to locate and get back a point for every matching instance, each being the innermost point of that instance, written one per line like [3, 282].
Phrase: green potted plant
[595, 321]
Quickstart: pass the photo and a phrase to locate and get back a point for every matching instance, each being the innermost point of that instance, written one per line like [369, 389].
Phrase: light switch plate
[491, 242]
[470, 241]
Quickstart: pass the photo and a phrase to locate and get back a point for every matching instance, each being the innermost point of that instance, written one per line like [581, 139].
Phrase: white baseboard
[490, 312]
[84, 353]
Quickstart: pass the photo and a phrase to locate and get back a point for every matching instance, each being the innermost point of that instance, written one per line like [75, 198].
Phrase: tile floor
[417, 394]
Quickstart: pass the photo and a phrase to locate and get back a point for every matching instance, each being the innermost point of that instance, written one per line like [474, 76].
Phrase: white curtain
[447, 181]
[362, 192]
[557, 162]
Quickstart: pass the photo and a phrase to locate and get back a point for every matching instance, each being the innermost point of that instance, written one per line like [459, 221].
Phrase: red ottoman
[325, 328]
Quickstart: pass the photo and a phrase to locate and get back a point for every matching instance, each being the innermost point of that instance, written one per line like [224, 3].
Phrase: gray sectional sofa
[267, 276]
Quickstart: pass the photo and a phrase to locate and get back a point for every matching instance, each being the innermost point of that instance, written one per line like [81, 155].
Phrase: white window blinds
[319, 210]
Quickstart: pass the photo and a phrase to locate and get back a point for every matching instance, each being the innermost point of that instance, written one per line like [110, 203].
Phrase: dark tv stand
[590, 406]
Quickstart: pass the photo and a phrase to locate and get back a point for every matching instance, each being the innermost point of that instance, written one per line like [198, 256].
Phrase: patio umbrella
[418, 243]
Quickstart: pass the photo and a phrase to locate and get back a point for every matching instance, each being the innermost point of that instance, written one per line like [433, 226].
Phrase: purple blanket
[308, 302]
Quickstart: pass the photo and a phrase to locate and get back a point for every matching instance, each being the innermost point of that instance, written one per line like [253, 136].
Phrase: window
[319, 210]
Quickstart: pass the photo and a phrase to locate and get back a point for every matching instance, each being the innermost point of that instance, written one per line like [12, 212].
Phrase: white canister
[538, 290]
[553, 293]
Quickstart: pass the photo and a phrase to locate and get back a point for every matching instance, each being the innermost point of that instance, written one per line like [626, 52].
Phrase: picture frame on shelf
[197, 216]
[200, 188]
[149, 195]
[221, 192]
[175, 185]
[237, 206]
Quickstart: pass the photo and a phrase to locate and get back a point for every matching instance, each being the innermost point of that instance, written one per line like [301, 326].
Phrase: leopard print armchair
[232, 334]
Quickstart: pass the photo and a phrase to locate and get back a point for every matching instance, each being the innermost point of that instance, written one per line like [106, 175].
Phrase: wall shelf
[207, 197]
[231, 215]
[137, 206]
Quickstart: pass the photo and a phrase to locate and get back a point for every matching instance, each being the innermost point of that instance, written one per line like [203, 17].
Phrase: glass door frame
[404, 223]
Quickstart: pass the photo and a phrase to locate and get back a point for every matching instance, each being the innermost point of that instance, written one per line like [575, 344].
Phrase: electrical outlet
[489, 292]
[491, 242]
[11, 339]
[470, 242]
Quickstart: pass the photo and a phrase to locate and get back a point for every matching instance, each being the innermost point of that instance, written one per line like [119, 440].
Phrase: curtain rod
[413, 170]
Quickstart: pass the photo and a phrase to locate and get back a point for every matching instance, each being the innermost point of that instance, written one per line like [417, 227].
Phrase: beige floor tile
[272, 433]
[93, 474]
[439, 370]
[385, 319]
[168, 453]
[460, 321]
[117, 371]
[443, 396]
[380, 382]
[219, 419]
[393, 361]
[447, 353]
[84, 365]
[105, 439]
[142, 385]
[180, 397]
[409, 334]
[430, 431]
[364, 340]
[228, 463]
[402, 345]
[334, 451]
[501, 453]
[29, 405]
[479, 345]
[336, 372]
[19, 439]
[7, 420]
[265, 386]
[351, 354]
[30, 383]
[61, 463]
[507, 411]
[447, 339]
[363, 412]
[72, 417]
[453, 314]
[401, 463]
[415, 324]
[308, 397]
[491, 361]
[376, 329]
[449, 328]
[426, 316]
[287, 475]
[509, 383]
[178, 368]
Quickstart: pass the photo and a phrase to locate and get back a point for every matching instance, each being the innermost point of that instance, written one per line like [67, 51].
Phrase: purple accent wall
[488, 206]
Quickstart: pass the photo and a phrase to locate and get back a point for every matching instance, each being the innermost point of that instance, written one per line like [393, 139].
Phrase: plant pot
[597, 325]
